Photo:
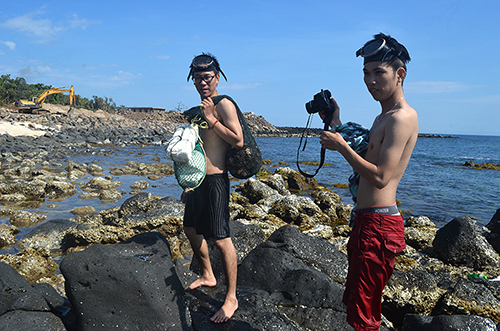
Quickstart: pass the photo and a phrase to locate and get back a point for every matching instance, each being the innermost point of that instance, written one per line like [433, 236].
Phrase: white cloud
[121, 78]
[432, 87]
[30, 71]
[81, 23]
[9, 44]
[163, 57]
[43, 30]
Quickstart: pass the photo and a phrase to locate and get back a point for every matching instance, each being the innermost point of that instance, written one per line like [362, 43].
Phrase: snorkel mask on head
[383, 48]
[204, 62]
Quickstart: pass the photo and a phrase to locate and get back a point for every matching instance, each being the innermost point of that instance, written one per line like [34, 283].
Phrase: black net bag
[245, 162]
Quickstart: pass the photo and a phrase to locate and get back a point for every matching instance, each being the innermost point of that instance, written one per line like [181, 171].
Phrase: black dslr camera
[320, 102]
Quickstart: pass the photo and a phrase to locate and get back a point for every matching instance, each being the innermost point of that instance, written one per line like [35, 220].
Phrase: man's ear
[401, 73]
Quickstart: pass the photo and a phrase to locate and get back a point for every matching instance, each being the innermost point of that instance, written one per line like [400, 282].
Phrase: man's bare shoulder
[226, 104]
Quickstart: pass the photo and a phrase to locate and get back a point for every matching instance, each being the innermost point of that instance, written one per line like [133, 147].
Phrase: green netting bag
[190, 175]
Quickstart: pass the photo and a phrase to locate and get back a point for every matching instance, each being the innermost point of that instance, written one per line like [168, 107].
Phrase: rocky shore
[127, 267]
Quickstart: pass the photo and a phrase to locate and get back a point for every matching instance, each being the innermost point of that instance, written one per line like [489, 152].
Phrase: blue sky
[276, 54]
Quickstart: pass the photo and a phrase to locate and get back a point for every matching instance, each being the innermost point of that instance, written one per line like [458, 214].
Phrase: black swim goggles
[372, 47]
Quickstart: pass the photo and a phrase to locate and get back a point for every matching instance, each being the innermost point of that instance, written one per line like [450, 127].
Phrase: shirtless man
[207, 208]
[378, 230]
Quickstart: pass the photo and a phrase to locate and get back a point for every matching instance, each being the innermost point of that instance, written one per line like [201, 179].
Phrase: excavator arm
[38, 102]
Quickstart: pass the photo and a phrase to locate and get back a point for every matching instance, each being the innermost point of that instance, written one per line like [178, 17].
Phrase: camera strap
[326, 121]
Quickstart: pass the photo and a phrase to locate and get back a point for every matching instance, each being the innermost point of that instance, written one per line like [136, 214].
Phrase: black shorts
[207, 207]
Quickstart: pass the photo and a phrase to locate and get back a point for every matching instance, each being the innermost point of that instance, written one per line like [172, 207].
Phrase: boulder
[136, 204]
[17, 294]
[33, 264]
[493, 236]
[461, 242]
[57, 189]
[49, 235]
[289, 279]
[26, 219]
[8, 235]
[413, 291]
[315, 252]
[126, 286]
[244, 237]
[420, 233]
[413, 322]
[469, 297]
[20, 320]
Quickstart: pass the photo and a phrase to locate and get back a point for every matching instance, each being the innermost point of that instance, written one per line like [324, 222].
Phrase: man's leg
[230, 263]
[200, 249]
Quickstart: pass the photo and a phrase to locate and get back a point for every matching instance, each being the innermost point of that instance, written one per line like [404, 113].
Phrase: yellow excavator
[35, 105]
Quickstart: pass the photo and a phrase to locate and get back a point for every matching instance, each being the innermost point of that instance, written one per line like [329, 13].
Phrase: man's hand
[208, 109]
[332, 140]
[335, 115]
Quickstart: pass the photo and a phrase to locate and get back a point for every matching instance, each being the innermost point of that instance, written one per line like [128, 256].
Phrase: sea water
[436, 183]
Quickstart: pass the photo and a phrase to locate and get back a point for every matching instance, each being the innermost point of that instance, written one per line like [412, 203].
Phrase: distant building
[147, 109]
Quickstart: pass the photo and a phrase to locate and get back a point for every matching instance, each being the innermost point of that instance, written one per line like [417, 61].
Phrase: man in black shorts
[207, 207]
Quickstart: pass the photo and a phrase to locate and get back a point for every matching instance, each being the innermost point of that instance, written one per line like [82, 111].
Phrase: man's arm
[379, 170]
[230, 131]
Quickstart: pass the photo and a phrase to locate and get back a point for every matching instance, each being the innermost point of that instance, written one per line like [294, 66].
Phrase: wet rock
[327, 201]
[493, 236]
[295, 181]
[49, 235]
[276, 182]
[131, 285]
[296, 209]
[20, 320]
[413, 322]
[255, 190]
[59, 189]
[99, 184]
[108, 196]
[413, 291]
[256, 311]
[470, 298]
[136, 204]
[95, 170]
[22, 187]
[244, 237]
[315, 252]
[420, 233]
[105, 234]
[139, 185]
[83, 210]
[462, 242]
[17, 294]
[26, 219]
[8, 235]
[173, 206]
[288, 279]
[33, 264]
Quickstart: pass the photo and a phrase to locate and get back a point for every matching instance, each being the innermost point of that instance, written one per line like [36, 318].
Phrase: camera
[320, 102]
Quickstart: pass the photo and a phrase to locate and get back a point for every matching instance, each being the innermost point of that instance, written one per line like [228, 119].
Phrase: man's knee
[224, 243]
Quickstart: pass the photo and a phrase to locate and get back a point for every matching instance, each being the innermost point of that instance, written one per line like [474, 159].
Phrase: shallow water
[436, 183]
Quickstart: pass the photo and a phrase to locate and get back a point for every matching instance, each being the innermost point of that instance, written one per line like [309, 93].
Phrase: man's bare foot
[226, 312]
[210, 282]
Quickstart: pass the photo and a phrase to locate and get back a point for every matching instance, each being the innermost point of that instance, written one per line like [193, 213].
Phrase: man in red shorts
[378, 228]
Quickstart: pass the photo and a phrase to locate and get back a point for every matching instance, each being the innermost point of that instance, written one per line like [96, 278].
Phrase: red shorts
[375, 241]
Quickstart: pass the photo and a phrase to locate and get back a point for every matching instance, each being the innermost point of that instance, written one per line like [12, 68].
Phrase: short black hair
[398, 56]
[205, 62]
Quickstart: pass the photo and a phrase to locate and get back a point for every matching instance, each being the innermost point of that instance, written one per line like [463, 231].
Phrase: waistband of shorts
[385, 210]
